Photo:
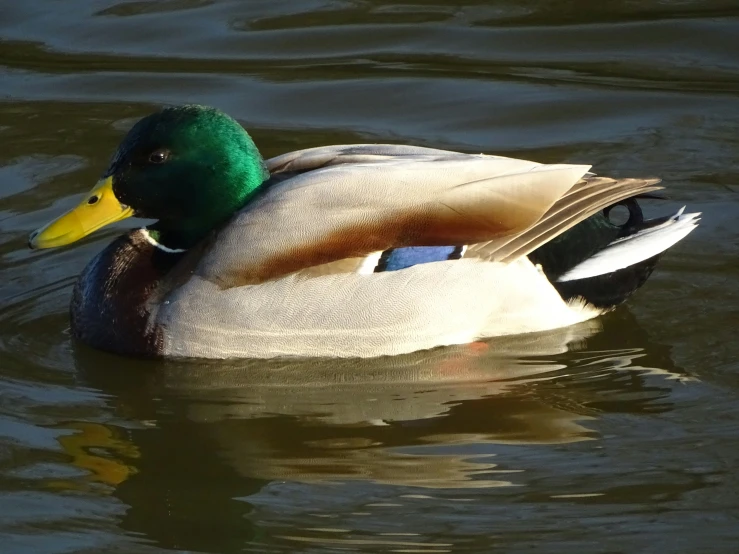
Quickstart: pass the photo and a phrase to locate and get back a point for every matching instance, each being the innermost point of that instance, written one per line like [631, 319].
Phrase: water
[610, 438]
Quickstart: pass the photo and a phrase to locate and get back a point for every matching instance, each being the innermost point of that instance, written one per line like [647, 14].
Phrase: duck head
[190, 168]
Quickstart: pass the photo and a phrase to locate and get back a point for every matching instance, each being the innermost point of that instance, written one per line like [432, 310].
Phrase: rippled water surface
[615, 437]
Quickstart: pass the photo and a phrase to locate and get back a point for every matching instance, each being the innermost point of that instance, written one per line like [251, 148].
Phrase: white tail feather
[635, 248]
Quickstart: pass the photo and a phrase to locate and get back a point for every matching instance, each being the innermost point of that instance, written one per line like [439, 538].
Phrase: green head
[190, 168]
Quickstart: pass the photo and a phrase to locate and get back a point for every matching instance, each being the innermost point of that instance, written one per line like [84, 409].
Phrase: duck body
[364, 250]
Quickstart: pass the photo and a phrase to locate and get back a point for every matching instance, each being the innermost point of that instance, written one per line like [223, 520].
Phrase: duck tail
[645, 241]
[607, 277]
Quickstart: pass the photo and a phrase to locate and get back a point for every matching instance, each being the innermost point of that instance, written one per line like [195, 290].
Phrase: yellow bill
[98, 209]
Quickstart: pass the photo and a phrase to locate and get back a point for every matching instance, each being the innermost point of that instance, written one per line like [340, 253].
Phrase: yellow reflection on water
[99, 451]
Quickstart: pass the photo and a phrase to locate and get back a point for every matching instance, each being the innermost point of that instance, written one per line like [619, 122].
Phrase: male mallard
[359, 250]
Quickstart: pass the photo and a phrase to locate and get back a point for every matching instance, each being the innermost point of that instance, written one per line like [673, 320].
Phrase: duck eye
[159, 156]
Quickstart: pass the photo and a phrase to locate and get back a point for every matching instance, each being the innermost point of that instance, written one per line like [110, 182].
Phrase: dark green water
[620, 439]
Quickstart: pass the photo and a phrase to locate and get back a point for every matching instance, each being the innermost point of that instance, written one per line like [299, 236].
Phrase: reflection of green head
[190, 168]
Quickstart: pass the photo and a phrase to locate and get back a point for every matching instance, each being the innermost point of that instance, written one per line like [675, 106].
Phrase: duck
[344, 251]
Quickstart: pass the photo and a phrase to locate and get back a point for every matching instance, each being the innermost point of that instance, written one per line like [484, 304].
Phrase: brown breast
[112, 301]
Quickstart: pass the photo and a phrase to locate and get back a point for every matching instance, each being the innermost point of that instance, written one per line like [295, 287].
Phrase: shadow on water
[214, 435]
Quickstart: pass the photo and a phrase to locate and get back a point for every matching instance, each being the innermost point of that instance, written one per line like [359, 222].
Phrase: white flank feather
[368, 265]
[635, 248]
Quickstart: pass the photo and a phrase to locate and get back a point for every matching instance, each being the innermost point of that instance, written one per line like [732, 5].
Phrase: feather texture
[352, 209]
[346, 315]
[587, 197]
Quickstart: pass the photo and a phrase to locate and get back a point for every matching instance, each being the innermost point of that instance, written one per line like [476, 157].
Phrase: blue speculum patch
[401, 258]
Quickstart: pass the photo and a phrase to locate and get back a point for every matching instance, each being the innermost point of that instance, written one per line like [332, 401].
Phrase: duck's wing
[351, 209]
[587, 197]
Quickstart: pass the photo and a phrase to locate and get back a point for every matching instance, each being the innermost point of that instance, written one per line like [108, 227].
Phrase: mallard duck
[344, 251]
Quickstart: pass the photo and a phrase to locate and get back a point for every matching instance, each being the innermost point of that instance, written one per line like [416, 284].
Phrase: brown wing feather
[425, 227]
[586, 198]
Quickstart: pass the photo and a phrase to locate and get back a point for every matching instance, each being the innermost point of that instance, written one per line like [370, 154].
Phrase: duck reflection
[213, 433]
